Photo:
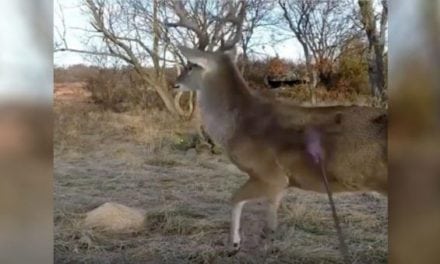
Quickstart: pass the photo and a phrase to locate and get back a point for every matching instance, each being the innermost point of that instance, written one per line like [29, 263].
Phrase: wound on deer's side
[314, 145]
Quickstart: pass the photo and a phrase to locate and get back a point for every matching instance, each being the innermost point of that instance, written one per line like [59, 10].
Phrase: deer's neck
[222, 103]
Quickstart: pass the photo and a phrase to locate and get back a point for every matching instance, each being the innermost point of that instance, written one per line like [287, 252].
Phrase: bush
[256, 71]
[74, 73]
[352, 70]
[254, 74]
[277, 67]
[116, 88]
[121, 90]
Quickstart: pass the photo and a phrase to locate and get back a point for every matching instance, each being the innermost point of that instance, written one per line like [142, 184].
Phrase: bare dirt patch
[129, 158]
[71, 91]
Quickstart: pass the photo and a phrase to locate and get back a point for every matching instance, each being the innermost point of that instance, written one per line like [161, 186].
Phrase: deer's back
[354, 141]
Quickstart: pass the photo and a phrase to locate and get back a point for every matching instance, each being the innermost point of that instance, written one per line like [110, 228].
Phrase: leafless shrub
[74, 73]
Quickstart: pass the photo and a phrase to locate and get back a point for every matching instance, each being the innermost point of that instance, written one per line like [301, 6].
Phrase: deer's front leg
[252, 189]
[235, 224]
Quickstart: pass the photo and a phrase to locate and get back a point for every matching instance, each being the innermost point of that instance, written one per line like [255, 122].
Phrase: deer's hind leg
[272, 212]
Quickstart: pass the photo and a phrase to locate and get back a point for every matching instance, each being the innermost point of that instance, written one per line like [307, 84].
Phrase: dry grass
[300, 95]
[129, 158]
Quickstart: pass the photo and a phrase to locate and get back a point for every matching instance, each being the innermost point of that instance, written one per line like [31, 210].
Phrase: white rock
[115, 218]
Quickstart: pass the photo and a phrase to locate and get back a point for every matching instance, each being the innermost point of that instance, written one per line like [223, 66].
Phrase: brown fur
[270, 133]
[266, 139]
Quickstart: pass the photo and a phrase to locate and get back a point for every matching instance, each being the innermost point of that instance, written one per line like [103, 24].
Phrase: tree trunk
[376, 47]
[166, 96]
[372, 73]
[161, 85]
[311, 74]
[380, 76]
[167, 99]
[244, 60]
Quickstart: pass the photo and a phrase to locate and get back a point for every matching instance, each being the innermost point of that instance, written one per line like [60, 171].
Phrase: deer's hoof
[235, 249]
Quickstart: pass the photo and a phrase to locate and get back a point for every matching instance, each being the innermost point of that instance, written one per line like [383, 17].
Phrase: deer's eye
[190, 67]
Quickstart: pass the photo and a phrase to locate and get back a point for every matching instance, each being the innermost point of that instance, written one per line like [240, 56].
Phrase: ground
[131, 158]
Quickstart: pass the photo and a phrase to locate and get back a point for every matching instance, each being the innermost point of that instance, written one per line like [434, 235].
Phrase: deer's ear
[232, 53]
[195, 56]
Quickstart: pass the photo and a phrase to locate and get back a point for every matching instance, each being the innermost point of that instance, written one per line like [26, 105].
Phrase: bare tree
[131, 31]
[322, 28]
[258, 15]
[376, 39]
[212, 24]
[145, 33]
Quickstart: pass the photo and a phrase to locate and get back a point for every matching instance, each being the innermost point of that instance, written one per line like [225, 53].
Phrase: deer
[268, 138]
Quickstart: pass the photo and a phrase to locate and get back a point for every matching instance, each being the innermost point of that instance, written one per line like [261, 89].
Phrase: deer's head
[201, 65]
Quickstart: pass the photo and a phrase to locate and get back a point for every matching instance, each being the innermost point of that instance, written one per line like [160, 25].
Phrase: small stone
[116, 218]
